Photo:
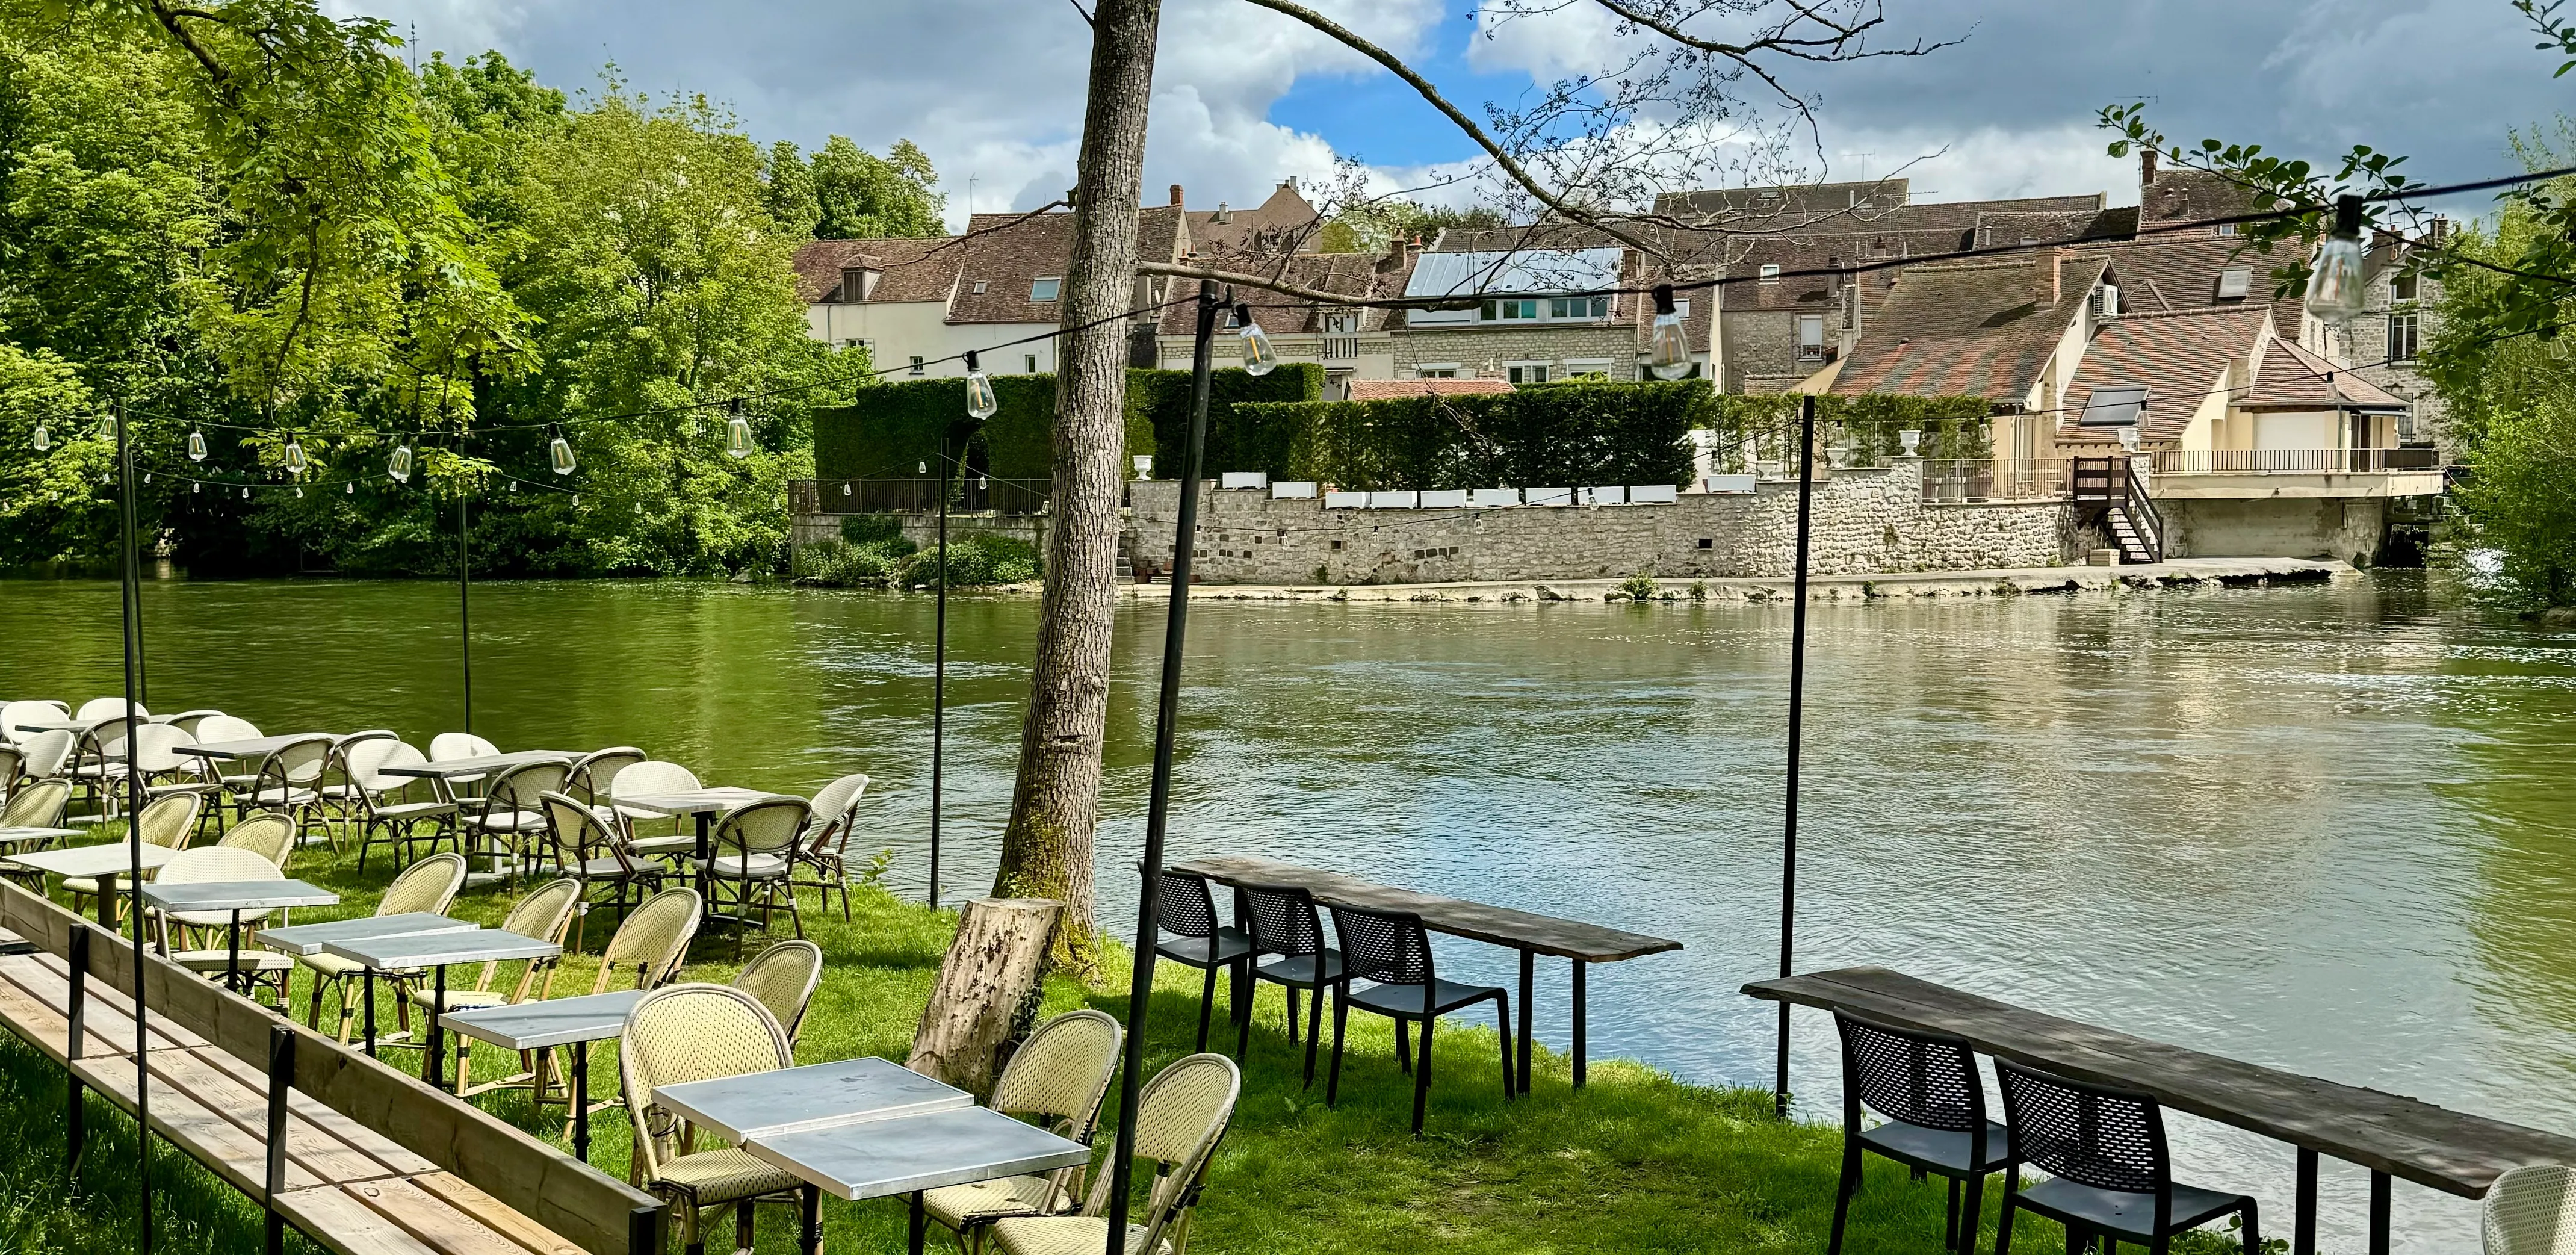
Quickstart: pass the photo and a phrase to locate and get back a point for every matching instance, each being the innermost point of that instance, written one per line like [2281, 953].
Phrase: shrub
[1640, 587]
[972, 561]
[863, 529]
[891, 429]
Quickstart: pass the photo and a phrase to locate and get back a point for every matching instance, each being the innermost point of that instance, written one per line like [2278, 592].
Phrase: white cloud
[1986, 163]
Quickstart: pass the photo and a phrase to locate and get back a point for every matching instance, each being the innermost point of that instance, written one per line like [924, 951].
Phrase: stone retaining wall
[1866, 522]
[923, 529]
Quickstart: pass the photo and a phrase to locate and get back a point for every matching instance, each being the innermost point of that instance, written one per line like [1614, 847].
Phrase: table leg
[2303, 1224]
[2379, 1213]
[367, 982]
[232, 954]
[920, 1225]
[107, 892]
[812, 1206]
[580, 1054]
[706, 903]
[1578, 1023]
[1529, 994]
[433, 1068]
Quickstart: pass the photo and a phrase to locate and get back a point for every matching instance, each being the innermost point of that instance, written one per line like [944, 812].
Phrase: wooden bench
[1532, 934]
[2390, 1134]
[364, 1159]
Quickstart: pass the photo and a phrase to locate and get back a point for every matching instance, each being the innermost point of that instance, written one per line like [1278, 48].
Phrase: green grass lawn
[1636, 1162]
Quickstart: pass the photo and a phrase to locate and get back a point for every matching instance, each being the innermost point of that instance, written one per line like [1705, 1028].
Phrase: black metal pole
[464, 604]
[1797, 719]
[133, 836]
[1140, 986]
[939, 671]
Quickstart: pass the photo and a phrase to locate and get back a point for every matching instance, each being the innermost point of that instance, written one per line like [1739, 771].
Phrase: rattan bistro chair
[2532, 1211]
[288, 780]
[825, 851]
[1925, 1085]
[449, 746]
[1393, 950]
[340, 796]
[1059, 1075]
[752, 845]
[45, 753]
[383, 812]
[541, 916]
[655, 776]
[1285, 923]
[1186, 911]
[1180, 1117]
[13, 768]
[427, 887]
[593, 773]
[15, 716]
[2110, 1175]
[203, 944]
[266, 833]
[36, 804]
[166, 822]
[696, 1033]
[783, 978]
[652, 940]
[587, 850]
[512, 819]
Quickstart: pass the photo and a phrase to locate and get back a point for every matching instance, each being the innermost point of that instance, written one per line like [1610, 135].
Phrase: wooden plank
[1499, 925]
[430, 1220]
[304, 1107]
[240, 1158]
[328, 1158]
[109, 1015]
[2456, 1152]
[461, 1195]
[330, 1216]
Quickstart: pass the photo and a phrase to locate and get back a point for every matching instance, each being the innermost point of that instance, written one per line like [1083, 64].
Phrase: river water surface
[2331, 828]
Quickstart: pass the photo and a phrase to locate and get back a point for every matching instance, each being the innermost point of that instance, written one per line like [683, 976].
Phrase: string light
[737, 433]
[2334, 277]
[299, 492]
[980, 401]
[196, 444]
[106, 426]
[1668, 352]
[44, 439]
[295, 462]
[353, 488]
[399, 465]
[1259, 358]
[559, 454]
[196, 488]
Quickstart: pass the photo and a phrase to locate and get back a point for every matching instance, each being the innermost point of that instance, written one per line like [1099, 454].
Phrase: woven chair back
[225, 728]
[651, 939]
[13, 765]
[764, 827]
[427, 887]
[1183, 904]
[187, 720]
[1389, 947]
[2532, 1211]
[1180, 1116]
[693, 1032]
[545, 912]
[577, 834]
[37, 804]
[2109, 1139]
[653, 776]
[46, 752]
[267, 833]
[170, 820]
[15, 715]
[836, 805]
[1284, 920]
[106, 708]
[521, 787]
[448, 746]
[368, 759]
[1062, 1071]
[296, 764]
[156, 749]
[214, 863]
[593, 772]
[1927, 1079]
[783, 978]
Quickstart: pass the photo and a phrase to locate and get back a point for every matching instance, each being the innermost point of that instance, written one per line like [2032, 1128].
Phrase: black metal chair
[1926, 1086]
[2110, 1174]
[1185, 910]
[1285, 923]
[1394, 950]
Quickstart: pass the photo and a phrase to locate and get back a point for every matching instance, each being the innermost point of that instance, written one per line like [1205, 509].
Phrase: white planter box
[1393, 500]
[1346, 500]
[1293, 490]
[1245, 479]
[1736, 485]
[1547, 496]
[1606, 494]
[1653, 494]
[1485, 497]
[1444, 499]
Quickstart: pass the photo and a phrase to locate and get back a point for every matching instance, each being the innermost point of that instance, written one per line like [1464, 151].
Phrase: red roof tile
[2176, 357]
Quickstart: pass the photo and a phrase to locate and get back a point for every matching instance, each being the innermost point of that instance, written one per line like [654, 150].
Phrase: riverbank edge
[2180, 573]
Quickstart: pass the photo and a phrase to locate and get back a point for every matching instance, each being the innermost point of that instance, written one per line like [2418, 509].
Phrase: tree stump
[989, 986]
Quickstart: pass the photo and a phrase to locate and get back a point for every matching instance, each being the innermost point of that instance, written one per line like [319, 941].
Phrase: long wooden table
[2390, 1134]
[1532, 934]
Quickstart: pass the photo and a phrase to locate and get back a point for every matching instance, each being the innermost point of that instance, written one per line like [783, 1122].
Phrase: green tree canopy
[864, 196]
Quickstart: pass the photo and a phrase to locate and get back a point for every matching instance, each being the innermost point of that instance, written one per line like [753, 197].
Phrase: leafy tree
[51, 506]
[788, 190]
[864, 196]
[1367, 227]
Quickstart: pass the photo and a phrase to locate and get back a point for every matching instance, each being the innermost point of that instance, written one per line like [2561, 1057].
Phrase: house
[1351, 342]
[1499, 317]
[2012, 331]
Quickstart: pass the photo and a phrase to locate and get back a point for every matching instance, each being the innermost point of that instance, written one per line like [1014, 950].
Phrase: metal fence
[975, 494]
[1963, 480]
[2292, 461]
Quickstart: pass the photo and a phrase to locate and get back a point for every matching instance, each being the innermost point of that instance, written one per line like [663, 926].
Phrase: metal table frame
[437, 952]
[234, 897]
[493, 1024]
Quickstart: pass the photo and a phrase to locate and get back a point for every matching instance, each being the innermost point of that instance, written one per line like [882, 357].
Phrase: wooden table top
[1500, 925]
[2451, 1151]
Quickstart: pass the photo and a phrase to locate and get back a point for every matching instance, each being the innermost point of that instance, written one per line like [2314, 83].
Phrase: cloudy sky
[992, 89]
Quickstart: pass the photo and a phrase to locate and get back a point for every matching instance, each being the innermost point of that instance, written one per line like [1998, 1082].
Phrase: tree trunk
[989, 986]
[1047, 848]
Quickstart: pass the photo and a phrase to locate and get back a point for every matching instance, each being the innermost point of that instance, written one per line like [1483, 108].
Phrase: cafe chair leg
[1207, 1006]
[1844, 1188]
[1404, 1046]
[1503, 1026]
[2004, 1217]
[1314, 1019]
[1973, 1213]
[1422, 1075]
[1341, 1019]
[1950, 1226]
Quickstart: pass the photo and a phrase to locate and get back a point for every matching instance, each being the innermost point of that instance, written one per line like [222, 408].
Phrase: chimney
[1395, 252]
[1416, 245]
[2146, 166]
[1223, 214]
[1176, 196]
[2047, 283]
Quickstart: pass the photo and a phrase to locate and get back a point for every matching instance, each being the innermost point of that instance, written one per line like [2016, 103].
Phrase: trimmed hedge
[1952, 426]
[892, 428]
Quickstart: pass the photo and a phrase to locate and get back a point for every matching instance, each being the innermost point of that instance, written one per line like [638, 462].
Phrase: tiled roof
[1006, 253]
[1784, 205]
[1363, 275]
[2292, 378]
[2176, 357]
[1285, 221]
[1382, 389]
[910, 269]
[1979, 330]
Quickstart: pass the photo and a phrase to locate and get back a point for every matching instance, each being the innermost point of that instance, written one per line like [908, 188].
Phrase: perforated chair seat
[743, 867]
[1227, 946]
[1067, 1235]
[607, 868]
[2124, 1213]
[1938, 1148]
[289, 796]
[1444, 996]
[958, 1206]
[1301, 969]
[723, 1175]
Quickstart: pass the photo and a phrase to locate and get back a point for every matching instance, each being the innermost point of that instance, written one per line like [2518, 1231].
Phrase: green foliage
[895, 427]
[851, 564]
[2520, 499]
[1640, 587]
[865, 529]
[863, 196]
[971, 561]
[1367, 228]
[1572, 433]
[51, 505]
[1867, 425]
[787, 190]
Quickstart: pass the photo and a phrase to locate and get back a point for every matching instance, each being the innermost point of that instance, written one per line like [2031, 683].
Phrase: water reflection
[2324, 829]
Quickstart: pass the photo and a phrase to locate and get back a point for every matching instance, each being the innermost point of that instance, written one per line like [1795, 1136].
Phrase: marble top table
[541, 1025]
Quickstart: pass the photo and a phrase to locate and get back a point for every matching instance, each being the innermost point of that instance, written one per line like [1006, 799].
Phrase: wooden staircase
[2108, 495]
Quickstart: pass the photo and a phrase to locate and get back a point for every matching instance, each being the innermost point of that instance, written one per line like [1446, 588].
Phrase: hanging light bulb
[399, 465]
[245, 492]
[107, 426]
[147, 477]
[982, 482]
[737, 433]
[196, 445]
[2334, 275]
[1668, 352]
[295, 462]
[1259, 358]
[980, 401]
[845, 488]
[299, 492]
[44, 439]
[353, 488]
[576, 501]
[559, 455]
[196, 488]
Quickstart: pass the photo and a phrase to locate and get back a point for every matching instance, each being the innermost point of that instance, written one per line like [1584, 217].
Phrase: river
[2324, 828]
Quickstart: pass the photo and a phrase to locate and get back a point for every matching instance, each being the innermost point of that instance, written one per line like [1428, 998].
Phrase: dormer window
[979, 287]
[2225, 230]
[1044, 289]
[2234, 282]
[1770, 272]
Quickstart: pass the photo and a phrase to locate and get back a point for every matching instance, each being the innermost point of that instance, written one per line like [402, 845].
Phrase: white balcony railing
[1341, 348]
[1963, 480]
[2292, 461]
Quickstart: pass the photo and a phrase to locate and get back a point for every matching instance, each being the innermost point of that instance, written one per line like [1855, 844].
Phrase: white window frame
[1032, 360]
[979, 287]
[2242, 278]
[1435, 370]
[2414, 336]
[1814, 352]
[917, 367]
[1770, 272]
[1054, 292]
[1578, 367]
[1546, 370]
